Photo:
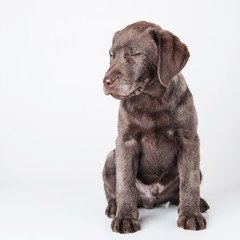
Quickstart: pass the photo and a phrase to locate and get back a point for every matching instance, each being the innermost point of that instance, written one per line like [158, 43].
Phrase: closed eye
[134, 54]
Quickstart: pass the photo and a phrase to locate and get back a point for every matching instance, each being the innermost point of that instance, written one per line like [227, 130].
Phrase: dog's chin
[120, 97]
[136, 92]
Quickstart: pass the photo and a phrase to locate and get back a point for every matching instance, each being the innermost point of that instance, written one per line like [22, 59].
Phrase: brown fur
[157, 149]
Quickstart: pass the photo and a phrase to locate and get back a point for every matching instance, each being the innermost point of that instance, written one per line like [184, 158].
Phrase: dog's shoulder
[175, 91]
[179, 99]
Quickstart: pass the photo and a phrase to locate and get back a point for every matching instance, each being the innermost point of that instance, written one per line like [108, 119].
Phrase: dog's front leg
[189, 173]
[126, 220]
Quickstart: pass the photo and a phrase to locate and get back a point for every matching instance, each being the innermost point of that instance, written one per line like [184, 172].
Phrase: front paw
[125, 225]
[192, 222]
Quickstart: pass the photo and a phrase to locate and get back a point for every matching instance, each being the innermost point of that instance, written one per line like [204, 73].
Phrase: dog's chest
[156, 131]
[158, 151]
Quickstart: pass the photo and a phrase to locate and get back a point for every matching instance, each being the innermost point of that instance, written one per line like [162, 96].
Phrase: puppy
[156, 159]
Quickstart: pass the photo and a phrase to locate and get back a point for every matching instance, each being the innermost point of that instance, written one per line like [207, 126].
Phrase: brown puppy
[157, 149]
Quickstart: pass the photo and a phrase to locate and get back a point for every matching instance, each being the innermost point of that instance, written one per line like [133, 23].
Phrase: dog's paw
[111, 208]
[192, 222]
[125, 225]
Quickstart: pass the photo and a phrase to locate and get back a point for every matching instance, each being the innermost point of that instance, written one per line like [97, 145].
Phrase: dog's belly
[156, 193]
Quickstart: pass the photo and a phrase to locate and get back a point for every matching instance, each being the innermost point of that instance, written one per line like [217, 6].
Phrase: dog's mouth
[136, 92]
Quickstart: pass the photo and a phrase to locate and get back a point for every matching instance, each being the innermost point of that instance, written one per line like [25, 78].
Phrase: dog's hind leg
[109, 178]
[203, 205]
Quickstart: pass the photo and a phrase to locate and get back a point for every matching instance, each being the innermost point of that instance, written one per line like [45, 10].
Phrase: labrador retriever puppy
[156, 159]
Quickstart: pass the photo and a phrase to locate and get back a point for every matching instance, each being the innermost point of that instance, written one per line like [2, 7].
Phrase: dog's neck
[155, 89]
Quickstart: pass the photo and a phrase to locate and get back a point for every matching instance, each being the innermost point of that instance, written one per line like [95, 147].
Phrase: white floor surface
[37, 213]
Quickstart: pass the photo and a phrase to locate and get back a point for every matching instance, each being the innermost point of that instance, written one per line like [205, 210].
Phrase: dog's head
[140, 53]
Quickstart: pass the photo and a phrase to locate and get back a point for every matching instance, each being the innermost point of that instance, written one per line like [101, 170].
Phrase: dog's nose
[108, 82]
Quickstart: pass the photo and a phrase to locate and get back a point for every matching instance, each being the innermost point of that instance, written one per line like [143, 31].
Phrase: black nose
[108, 82]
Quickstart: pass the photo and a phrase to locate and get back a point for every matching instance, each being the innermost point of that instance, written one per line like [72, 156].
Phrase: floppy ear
[172, 56]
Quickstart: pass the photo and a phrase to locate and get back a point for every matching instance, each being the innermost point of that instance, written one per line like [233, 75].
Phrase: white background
[56, 125]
